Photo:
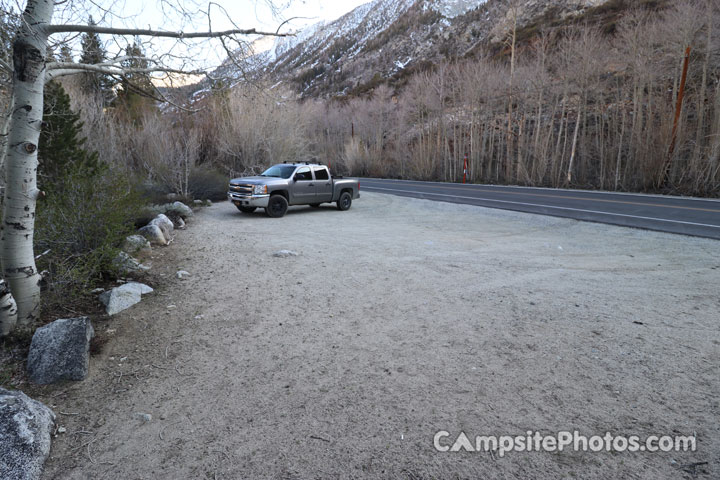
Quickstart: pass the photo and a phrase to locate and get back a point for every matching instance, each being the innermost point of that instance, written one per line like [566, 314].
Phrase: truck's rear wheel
[345, 201]
[246, 209]
[277, 206]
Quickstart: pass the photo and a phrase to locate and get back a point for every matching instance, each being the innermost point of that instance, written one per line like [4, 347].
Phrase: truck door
[303, 189]
[323, 185]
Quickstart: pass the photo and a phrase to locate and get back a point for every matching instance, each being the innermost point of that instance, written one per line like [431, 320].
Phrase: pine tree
[66, 54]
[61, 154]
[135, 88]
[93, 53]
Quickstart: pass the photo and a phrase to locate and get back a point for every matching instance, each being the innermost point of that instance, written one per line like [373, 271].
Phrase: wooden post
[678, 105]
[465, 169]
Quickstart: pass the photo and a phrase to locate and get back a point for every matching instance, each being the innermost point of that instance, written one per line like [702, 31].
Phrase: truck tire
[345, 201]
[277, 206]
[246, 209]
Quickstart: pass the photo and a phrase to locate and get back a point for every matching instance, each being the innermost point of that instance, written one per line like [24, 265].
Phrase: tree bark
[21, 192]
[8, 309]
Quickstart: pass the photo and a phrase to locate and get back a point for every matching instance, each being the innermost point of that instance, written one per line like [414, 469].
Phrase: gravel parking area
[398, 319]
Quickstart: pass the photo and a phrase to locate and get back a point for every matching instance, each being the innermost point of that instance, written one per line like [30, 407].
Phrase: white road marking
[546, 206]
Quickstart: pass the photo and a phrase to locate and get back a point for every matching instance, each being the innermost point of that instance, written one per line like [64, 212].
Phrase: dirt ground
[398, 319]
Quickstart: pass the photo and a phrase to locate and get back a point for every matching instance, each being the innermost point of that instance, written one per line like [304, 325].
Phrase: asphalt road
[684, 215]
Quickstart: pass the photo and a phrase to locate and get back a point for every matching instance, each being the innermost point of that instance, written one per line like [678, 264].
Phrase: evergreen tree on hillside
[61, 154]
[65, 54]
[93, 53]
[135, 87]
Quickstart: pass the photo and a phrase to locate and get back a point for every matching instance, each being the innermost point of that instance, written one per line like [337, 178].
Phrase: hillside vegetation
[584, 105]
[533, 93]
[545, 96]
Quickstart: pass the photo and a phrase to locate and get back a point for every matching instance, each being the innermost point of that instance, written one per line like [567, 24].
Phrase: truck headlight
[259, 189]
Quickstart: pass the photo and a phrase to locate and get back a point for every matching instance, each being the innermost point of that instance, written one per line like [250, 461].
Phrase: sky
[245, 13]
[224, 14]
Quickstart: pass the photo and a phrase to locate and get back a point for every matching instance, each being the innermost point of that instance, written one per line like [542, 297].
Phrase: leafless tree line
[575, 108]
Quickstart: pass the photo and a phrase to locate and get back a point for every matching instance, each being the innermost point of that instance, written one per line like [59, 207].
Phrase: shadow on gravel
[292, 211]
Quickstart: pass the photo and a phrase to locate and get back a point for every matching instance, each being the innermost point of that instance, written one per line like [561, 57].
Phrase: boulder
[178, 208]
[285, 254]
[137, 244]
[127, 264]
[165, 224]
[60, 351]
[178, 222]
[181, 209]
[123, 297]
[153, 234]
[199, 203]
[25, 428]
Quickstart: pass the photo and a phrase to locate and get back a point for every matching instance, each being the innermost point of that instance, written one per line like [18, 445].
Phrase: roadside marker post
[465, 169]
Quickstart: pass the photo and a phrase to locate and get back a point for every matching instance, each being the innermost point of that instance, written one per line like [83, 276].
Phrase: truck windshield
[279, 171]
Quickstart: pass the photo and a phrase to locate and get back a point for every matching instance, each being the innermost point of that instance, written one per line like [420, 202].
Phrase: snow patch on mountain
[453, 8]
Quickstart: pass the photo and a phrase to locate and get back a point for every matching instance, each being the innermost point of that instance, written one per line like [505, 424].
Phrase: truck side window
[304, 174]
[321, 174]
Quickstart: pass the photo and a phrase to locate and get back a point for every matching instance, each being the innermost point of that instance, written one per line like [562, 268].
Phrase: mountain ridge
[387, 40]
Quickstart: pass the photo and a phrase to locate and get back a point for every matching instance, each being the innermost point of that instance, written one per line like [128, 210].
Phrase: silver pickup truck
[292, 184]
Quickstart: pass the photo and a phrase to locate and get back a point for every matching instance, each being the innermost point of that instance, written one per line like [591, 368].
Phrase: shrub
[206, 183]
[82, 227]
[154, 193]
[88, 211]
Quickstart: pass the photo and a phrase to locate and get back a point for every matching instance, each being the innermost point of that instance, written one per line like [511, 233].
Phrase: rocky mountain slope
[387, 40]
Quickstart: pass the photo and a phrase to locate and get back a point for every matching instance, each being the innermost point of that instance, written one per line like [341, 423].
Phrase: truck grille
[241, 189]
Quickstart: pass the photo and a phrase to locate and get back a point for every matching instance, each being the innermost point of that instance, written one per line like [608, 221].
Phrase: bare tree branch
[75, 68]
[112, 62]
[51, 29]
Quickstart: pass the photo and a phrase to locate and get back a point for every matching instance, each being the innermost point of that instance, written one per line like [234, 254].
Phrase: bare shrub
[256, 128]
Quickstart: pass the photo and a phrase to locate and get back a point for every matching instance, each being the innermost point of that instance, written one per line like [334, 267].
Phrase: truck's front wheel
[345, 201]
[277, 206]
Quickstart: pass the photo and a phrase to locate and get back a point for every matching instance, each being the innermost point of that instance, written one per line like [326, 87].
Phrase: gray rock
[181, 209]
[123, 297]
[179, 223]
[140, 287]
[127, 264]
[178, 208]
[145, 417]
[136, 244]
[182, 274]
[25, 428]
[154, 234]
[165, 224]
[208, 203]
[60, 351]
[285, 254]
[199, 203]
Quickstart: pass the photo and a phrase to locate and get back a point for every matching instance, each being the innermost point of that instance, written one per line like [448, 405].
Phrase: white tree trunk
[21, 192]
[8, 309]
